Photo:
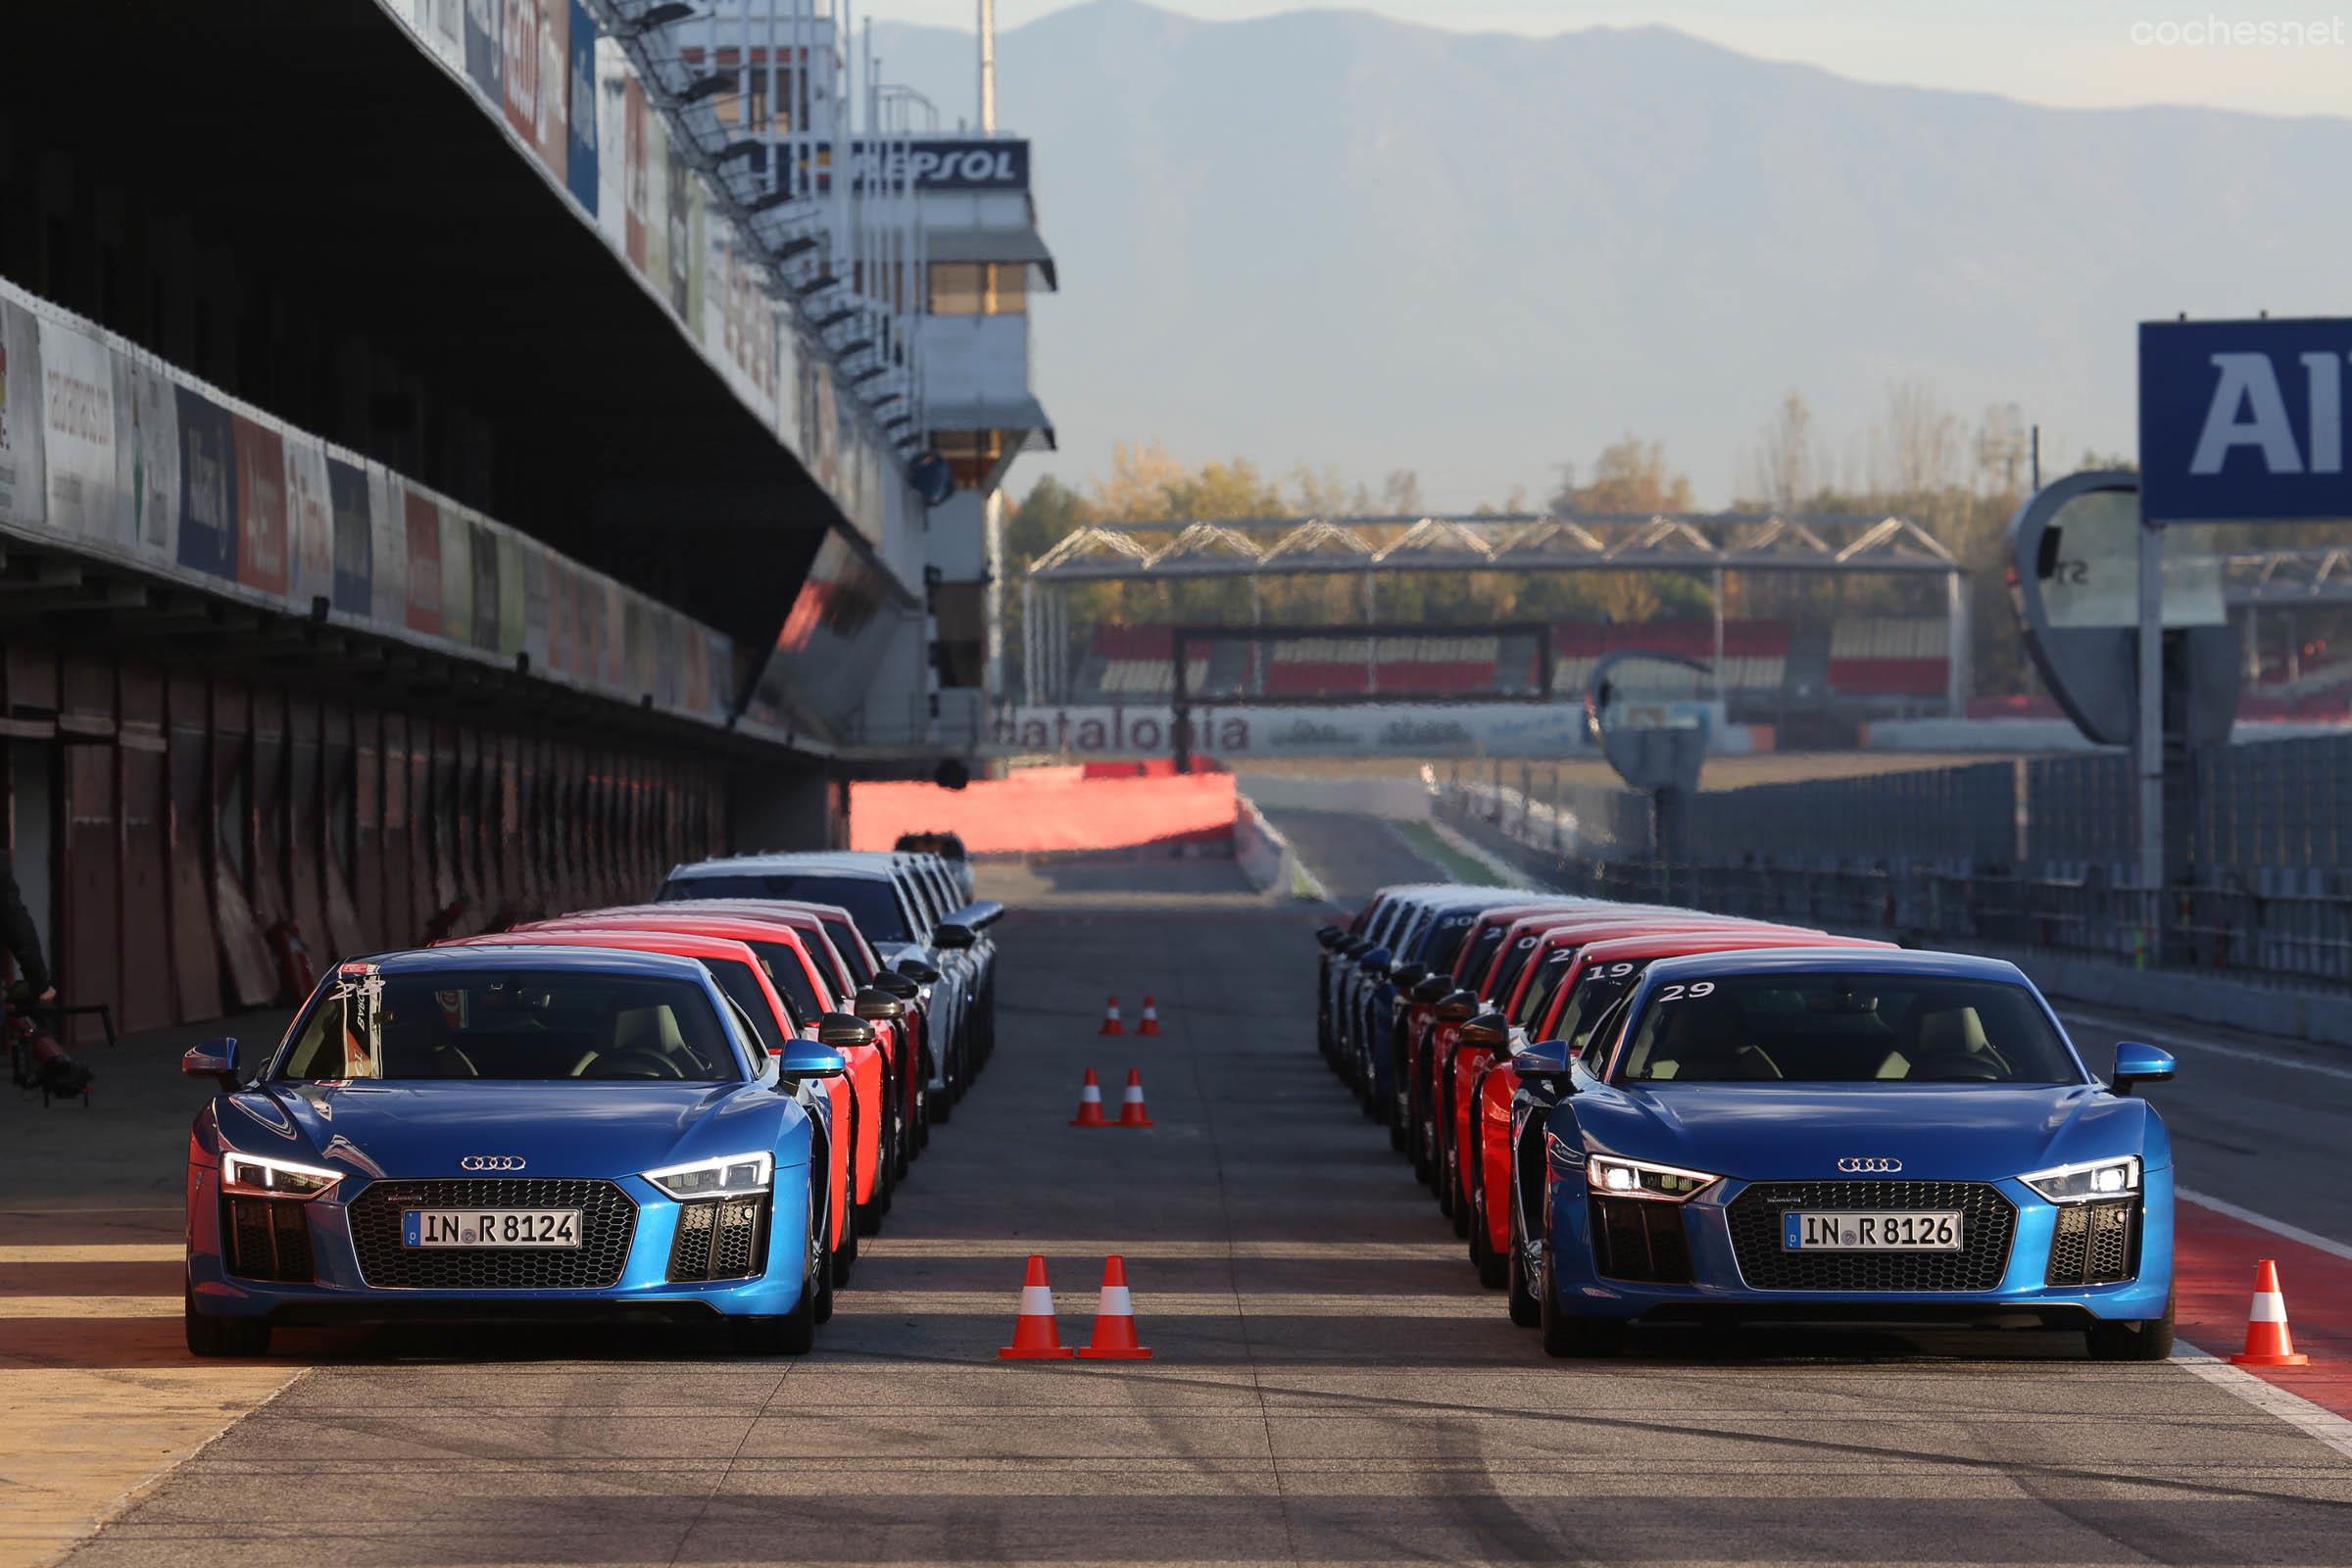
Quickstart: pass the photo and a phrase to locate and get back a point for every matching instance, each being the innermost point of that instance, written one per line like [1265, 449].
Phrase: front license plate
[1906, 1232]
[490, 1227]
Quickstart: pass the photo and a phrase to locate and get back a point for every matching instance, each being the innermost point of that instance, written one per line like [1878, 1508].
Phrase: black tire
[795, 1332]
[1491, 1264]
[1443, 1178]
[211, 1336]
[1520, 1295]
[941, 1109]
[2144, 1339]
[1565, 1335]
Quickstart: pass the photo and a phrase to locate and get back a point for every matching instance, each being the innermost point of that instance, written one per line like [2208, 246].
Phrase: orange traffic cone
[1032, 1336]
[1114, 1319]
[1150, 1023]
[1131, 1104]
[2267, 1343]
[1111, 1019]
[1090, 1103]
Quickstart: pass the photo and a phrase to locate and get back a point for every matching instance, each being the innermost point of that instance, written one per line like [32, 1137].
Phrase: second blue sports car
[511, 1132]
[1839, 1135]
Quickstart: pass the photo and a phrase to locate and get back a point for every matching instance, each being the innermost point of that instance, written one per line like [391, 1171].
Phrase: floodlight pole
[2148, 743]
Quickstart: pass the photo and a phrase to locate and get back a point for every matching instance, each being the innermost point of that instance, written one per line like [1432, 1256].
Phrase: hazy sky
[2285, 57]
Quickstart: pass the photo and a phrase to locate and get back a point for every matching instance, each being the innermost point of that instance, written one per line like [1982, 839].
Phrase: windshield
[852, 952]
[1445, 940]
[1541, 985]
[742, 987]
[1476, 955]
[1596, 990]
[1507, 975]
[1849, 1028]
[784, 972]
[870, 901]
[516, 1024]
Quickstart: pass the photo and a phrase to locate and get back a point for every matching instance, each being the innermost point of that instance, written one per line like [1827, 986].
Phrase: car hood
[1799, 1131]
[424, 1128]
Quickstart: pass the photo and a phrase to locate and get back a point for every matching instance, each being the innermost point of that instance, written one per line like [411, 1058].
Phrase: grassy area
[1434, 850]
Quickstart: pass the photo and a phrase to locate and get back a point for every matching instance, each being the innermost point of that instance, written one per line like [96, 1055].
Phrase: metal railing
[2255, 932]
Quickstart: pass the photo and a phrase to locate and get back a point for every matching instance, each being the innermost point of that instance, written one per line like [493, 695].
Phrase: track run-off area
[1330, 1383]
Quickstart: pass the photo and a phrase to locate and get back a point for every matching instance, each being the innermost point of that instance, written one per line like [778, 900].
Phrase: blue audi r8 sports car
[1839, 1134]
[511, 1133]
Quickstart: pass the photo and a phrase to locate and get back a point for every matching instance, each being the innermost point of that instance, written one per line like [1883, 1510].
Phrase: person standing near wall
[18, 936]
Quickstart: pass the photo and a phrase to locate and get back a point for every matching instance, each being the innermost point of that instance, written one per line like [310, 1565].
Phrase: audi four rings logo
[1873, 1166]
[491, 1162]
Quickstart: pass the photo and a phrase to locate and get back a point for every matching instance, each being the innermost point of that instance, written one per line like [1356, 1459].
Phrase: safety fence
[1931, 856]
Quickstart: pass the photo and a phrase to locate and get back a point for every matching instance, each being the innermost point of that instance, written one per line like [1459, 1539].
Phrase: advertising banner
[260, 506]
[512, 591]
[636, 184]
[423, 526]
[77, 423]
[310, 524]
[388, 548]
[554, 85]
[208, 485]
[482, 46]
[535, 560]
[456, 573]
[939, 165]
[580, 124]
[23, 487]
[441, 24]
[1398, 729]
[482, 592]
[146, 460]
[2246, 421]
[519, 66]
[354, 590]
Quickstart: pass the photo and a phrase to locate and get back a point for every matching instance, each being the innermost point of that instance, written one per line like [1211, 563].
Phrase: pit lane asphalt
[1332, 1385]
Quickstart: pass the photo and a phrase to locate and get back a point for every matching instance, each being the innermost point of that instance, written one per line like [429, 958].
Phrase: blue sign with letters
[2244, 422]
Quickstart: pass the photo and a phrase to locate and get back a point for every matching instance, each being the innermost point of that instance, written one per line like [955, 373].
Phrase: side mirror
[916, 970]
[838, 1030]
[1545, 1061]
[979, 914]
[874, 1002]
[1456, 1007]
[214, 1058]
[1486, 1032]
[1328, 936]
[2136, 1063]
[948, 934]
[1355, 948]
[897, 983]
[1405, 976]
[1433, 988]
[816, 1058]
[1375, 961]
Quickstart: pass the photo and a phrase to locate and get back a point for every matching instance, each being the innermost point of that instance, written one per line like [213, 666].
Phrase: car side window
[1603, 1042]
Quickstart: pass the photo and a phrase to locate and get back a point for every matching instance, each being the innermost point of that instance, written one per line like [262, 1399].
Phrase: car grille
[1639, 1239]
[2095, 1244]
[268, 1238]
[718, 1239]
[1987, 1225]
[607, 1222]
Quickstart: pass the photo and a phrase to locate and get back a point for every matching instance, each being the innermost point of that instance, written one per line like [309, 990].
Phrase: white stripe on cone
[1134, 1095]
[1089, 1093]
[2269, 1306]
[1115, 1303]
[1036, 1300]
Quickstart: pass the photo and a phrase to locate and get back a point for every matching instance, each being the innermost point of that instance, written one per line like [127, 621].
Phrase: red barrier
[1049, 808]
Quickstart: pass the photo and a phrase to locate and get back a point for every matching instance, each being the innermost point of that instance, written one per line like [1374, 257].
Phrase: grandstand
[1861, 668]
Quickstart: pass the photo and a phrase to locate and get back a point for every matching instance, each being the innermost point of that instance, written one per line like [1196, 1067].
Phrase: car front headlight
[258, 1176]
[1636, 1177]
[729, 1176]
[2087, 1182]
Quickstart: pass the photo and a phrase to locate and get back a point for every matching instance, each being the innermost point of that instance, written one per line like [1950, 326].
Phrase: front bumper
[339, 1292]
[1718, 1287]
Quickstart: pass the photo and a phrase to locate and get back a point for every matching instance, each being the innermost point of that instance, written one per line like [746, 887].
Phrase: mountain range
[1334, 239]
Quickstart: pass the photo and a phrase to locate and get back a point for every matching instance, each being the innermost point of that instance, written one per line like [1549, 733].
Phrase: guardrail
[2257, 933]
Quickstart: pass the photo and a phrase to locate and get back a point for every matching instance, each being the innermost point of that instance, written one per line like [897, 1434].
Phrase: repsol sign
[2244, 422]
[941, 165]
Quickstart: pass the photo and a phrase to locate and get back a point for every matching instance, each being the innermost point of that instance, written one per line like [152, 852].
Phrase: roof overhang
[1008, 246]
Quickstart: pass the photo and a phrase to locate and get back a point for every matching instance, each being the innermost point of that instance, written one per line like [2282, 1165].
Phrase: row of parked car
[1645, 1113]
[688, 1109]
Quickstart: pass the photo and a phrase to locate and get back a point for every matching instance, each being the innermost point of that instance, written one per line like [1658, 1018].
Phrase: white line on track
[2276, 1227]
[2270, 1398]
[2158, 1037]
